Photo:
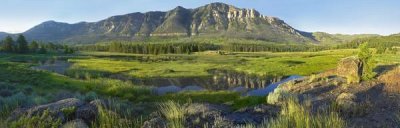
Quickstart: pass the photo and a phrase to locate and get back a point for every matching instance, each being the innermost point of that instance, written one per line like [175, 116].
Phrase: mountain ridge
[216, 19]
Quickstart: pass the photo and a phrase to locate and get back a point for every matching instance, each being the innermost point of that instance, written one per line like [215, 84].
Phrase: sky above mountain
[332, 16]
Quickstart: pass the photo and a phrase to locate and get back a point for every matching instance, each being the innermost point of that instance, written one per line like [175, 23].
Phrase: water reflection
[243, 90]
[59, 66]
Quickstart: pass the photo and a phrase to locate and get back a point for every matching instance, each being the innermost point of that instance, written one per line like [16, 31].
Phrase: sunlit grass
[174, 113]
[264, 63]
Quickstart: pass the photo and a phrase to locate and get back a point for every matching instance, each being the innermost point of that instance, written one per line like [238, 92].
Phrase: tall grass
[45, 120]
[296, 115]
[114, 116]
[174, 113]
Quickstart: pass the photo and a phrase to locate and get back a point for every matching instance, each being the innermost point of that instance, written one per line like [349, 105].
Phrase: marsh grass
[277, 64]
[113, 115]
[296, 115]
[174, 113]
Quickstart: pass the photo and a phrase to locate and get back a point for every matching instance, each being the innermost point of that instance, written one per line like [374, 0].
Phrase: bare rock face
[350, 68]
[211, 19]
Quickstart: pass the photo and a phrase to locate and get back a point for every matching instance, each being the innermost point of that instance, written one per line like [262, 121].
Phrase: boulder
[351, 69]
[346, 101]
[65, 110]
[157, 122]
[87, 113]
[55, 109]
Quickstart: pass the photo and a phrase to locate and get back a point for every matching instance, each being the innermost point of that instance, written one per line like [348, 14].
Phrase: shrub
[366, 57]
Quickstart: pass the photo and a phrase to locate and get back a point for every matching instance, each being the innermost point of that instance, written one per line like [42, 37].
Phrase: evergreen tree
[68, 50]
[22, 46]
[365, 56]
[8, 44]
[42, 50]
[34, 46]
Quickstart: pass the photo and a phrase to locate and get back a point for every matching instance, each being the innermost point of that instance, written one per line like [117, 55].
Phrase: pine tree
[22, 46]
[34, 46]
[8, 44]
[365, 56]
[42, 49]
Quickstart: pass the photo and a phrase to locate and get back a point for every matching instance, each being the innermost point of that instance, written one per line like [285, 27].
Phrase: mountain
[3, 35]
[327, 38]
[215, 19]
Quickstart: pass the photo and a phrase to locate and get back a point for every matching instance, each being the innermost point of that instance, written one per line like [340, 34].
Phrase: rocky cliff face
[213, 19]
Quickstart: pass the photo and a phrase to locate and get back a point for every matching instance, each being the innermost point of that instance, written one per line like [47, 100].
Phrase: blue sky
[333, 16]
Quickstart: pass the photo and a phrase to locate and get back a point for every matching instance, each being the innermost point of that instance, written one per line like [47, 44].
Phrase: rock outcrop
[66, 110]
[350, 68]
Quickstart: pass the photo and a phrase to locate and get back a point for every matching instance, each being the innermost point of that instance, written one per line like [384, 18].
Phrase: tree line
[188, 48]
[385, 44]
[22, 46]
[257, 47]
[150, 48]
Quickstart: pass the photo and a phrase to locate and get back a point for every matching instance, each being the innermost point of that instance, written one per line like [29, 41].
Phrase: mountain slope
[3, 35]
[327, 38]
[216, 19]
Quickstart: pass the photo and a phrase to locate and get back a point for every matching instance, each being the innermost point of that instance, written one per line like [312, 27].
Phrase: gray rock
[75, 124]
[55, 109]
[346, 101]
[350, 68]
[157, 122]
[87, 113]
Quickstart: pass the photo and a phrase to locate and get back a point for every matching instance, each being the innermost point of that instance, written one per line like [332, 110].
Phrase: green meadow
[196, 65]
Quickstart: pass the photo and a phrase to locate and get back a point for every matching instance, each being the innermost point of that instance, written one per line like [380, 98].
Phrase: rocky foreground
[374, 103]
